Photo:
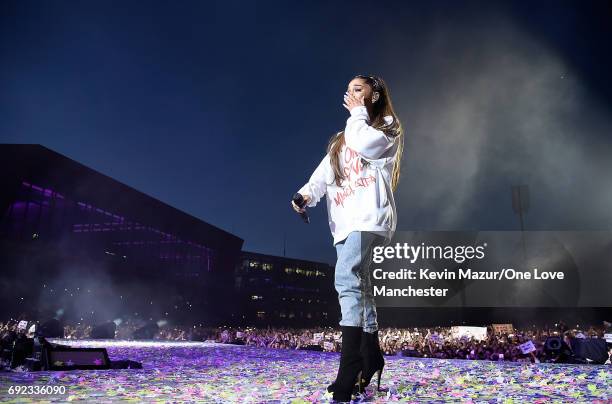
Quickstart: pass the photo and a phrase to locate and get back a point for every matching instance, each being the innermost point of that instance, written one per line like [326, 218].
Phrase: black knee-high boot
[373, 360]
[349, 371]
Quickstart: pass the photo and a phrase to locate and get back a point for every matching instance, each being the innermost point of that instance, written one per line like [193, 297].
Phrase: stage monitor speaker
[76, 358]
[591, 350]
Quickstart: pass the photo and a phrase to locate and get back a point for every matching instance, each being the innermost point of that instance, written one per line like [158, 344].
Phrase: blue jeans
[353, 279]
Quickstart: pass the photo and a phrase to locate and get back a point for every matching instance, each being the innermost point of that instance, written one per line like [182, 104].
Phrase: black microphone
[300, 202]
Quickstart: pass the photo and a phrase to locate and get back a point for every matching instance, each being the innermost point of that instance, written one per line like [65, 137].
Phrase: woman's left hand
[350, 101]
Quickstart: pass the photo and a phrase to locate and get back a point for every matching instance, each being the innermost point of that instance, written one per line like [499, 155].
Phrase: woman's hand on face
[297, 208]
[350, 101]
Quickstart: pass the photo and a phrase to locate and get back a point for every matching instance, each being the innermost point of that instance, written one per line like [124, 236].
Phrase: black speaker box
[593, 349]
[76, 358]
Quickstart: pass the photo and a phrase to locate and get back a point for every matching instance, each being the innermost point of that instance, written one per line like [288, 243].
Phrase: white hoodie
[364, 201]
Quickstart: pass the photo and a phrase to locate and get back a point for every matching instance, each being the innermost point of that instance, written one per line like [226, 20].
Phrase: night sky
[224, 109]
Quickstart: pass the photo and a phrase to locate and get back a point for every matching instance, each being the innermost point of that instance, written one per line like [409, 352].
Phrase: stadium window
[289, 270]
[261, 314]
[254, 264]
[266, 267]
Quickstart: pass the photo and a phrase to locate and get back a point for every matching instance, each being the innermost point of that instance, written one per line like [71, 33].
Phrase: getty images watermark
[493, 269]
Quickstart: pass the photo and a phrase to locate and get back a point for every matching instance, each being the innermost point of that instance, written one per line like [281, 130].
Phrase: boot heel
[359, 388]
[378, 382]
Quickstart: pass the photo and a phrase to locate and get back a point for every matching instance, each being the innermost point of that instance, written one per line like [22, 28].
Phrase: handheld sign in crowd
[438, 339]
[239, 334]
[527, 347]
[328, 346]
[502, 328]
[465, 332]
[22, 325]
[317, 337]
[608, 338]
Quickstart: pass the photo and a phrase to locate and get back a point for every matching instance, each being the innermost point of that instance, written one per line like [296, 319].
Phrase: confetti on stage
[219, 373]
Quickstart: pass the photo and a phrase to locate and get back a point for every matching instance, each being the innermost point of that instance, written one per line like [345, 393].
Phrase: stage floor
[219, 373]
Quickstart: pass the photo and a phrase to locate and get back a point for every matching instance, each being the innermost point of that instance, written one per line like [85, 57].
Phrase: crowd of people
[434, 342]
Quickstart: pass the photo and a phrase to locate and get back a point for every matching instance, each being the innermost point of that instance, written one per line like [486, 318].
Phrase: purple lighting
[38, 207]
[47, 192]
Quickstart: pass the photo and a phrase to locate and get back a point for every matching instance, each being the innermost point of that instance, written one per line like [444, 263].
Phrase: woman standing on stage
[358, 175]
